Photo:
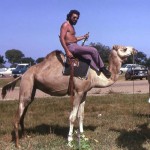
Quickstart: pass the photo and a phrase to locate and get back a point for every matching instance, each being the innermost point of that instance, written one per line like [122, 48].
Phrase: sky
[33, 26]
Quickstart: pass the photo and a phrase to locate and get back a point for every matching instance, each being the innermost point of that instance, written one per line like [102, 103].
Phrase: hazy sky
[33, 26]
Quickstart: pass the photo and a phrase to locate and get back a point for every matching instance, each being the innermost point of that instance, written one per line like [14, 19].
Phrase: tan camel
[47, 76]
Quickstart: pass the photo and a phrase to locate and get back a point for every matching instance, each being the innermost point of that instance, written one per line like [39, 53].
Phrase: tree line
[140, 58]
[15, 56]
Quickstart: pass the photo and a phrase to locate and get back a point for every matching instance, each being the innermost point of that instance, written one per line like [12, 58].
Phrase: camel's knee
[21, 108]
[25, 101]
[80, 118]
[81, 114]
[16, 125]
[72, 118]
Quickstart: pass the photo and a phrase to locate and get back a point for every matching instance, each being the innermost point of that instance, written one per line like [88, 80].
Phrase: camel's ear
[115, 47]
[124, 48]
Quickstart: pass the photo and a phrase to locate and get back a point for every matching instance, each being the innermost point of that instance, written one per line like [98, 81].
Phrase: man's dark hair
[73, 12]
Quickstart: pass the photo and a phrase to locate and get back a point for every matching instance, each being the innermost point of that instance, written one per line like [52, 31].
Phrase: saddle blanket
[80, 69]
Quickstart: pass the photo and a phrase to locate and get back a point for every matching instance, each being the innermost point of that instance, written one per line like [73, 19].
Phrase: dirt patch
[124, 87]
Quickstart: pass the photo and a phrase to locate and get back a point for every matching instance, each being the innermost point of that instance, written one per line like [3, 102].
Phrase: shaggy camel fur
[47, 76]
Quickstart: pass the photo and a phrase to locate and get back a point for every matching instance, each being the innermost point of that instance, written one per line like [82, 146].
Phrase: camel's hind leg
[25, 110]
[26, 97]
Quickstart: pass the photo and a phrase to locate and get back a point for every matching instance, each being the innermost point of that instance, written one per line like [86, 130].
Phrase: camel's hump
[54, 53]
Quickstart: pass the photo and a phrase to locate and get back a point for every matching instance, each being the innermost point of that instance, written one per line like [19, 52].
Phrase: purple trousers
[89, 53]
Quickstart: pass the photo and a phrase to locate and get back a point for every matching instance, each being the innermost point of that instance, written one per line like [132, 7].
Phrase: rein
[71, 86]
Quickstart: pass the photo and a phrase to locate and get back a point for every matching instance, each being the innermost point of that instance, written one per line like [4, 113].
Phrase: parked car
[125, 67]
[136, 73]
[6, 72]
[3, 69]
[20, 69]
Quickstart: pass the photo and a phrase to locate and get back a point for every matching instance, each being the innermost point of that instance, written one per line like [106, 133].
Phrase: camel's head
[124, 51]
[116, 57]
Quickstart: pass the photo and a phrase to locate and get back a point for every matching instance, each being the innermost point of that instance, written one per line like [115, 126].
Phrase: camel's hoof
[18, 146]
[24, 136]
[70, 144]
[28, 136]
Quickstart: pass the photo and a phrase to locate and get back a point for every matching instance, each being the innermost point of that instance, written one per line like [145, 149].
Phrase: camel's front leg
[77, 100]
[81, 116]
[81, 113]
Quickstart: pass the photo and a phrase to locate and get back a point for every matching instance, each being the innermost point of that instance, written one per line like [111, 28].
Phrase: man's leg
[92, 54]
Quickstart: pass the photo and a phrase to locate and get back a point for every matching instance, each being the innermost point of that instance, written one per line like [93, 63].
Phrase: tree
[14, 56]
[40, 59]
[148, 62]
[13, 66]
[28, 60]
[139, 58]
[104, 51]
[2, 61]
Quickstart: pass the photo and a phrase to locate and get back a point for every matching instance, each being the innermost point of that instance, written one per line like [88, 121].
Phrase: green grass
[4, 81]
[112, 122]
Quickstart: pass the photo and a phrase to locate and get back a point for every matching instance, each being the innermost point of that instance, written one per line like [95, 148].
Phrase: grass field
[112, 122]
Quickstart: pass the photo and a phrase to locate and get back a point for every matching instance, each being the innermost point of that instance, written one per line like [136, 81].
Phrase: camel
[47, 76]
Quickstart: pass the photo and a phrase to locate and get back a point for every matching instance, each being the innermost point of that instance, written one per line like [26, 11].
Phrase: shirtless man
[69, 43]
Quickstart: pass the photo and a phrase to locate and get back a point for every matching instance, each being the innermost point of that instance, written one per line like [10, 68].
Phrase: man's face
[73, 19]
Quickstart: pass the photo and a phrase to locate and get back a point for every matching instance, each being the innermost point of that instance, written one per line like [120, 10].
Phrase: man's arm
[86, 36]
[63, 32]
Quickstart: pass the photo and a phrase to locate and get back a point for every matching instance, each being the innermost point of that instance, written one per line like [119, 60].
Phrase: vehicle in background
[125, 67]
[20, 69]
[6, 72]
[136, 73]
[3, 69]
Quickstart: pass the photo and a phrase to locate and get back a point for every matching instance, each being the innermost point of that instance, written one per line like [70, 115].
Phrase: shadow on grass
[133, 139]
[45, 129]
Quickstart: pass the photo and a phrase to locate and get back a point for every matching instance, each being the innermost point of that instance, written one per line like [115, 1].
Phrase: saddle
[80, 65]
[77, 67]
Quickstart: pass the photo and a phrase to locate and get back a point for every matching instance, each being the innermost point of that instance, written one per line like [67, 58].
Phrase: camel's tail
[9, 86]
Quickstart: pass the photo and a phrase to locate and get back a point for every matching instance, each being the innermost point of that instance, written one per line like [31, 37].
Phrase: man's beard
[72, 23]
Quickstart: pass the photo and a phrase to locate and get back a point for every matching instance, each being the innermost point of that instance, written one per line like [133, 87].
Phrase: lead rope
[133, 102]
[148, 78]
[71, 82]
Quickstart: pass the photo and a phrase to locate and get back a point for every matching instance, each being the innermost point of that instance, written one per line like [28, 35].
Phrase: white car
[125, 67]
[6, 72]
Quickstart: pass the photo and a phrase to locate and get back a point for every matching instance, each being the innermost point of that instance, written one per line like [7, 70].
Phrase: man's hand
[69, 55]
[86, 36]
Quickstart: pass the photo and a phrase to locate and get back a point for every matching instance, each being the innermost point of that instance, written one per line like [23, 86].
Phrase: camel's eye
[125, 49]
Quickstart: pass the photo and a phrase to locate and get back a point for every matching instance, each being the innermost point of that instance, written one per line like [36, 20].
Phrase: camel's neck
[114, 72]
[100, 80]
[114, 66]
